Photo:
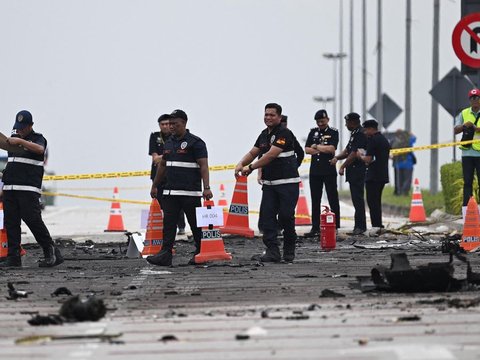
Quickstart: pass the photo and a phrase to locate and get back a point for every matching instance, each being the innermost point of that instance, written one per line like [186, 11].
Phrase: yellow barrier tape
[46, 193]
[429, 147]
[113, 175]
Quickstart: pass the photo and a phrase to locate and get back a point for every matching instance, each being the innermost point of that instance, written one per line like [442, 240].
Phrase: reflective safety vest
[468, 116]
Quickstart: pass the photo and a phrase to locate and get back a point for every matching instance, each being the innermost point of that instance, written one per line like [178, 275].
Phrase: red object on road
[328, 229]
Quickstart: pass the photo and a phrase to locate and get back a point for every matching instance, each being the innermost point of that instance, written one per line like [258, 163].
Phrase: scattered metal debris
[61, 291]
[77, 309]
[167, 338]
[14, 294]
[34, 340]
[327, 293]
[401, 277]
[408, 318]
[40, 320]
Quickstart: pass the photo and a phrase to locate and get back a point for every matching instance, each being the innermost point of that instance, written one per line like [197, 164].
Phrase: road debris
[61, 291]
[77, 309]
[14, 294]
[327, 293]
[34, 340]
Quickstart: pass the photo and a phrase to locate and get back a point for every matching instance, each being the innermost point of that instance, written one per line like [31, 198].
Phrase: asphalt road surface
[240, 309]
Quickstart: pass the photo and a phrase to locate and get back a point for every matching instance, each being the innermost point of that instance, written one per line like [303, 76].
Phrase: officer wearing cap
[155, 150]
[376, 158]
[467, 123]
[321, 144]
[22, 180]
[184, 165]
[280, 181]
[354, 170]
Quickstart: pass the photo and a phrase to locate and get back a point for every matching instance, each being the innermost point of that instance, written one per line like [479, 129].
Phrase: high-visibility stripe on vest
[469, 116]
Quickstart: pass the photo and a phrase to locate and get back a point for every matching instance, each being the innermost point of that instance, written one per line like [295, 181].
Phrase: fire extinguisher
[328, 233]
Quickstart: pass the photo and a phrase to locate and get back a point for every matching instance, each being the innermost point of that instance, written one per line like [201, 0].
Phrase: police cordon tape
[113, 175]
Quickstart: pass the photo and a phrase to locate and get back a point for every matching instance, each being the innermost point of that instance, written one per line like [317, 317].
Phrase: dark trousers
[24, 205]
[181, 216]
[357, 191]
[470, 164]
[281, 200]
[374, 201]
[172, 206]
[403, 180]
[316, 190]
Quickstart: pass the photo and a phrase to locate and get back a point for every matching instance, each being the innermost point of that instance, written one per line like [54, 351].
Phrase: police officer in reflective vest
[185, 166]
[22, 180]
[280, 181]
[321, 143]
[155, 150]
[467, 123]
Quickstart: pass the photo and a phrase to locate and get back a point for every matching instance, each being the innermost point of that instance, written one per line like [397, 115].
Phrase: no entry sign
[466, 40]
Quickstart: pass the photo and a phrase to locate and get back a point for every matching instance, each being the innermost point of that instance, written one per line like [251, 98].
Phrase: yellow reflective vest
[468, 116]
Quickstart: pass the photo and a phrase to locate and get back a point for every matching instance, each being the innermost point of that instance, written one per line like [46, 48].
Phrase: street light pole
[324, 100]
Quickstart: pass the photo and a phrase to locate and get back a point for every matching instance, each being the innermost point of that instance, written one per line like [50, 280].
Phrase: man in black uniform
[299, 154]
[322, 143]
[354, 170]
[280, 183]
[155, 149]
[376, 158]
[22, 180]
[185, 165]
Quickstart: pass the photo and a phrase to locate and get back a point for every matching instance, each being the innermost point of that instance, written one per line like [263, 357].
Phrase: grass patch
[430, 202]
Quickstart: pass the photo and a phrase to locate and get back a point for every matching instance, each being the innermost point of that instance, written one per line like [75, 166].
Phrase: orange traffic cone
[211, 245]
[471, 227]
[417, 211]
[223, 203]
[115, 222]
[302, 216]
[154, 236]
[4, 238]
[237, 220]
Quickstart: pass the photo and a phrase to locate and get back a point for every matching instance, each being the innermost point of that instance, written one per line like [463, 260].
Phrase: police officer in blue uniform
[185, 166]
[155, 149]
[280, 181]
[322, 143]
[354, 170]
[22, 180]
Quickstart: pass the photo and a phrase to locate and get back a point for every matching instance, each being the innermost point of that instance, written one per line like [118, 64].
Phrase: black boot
[272, 254]
[49, 257]
[163, 258]
[58, 257]
[11, 261]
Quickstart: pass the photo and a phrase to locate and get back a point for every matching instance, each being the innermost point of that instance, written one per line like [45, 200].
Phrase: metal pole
[336, 122]
[340, 86]
[364, 60]
[379, 66]
[351, 58]
[408, 70]
[434, 121]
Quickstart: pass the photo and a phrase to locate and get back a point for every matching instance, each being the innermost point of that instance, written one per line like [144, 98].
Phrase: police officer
[467, 123]
[354, 169]
[321, 144]
[185, 166]
[376, 158]
[280, 183]
[22, 180]
[155, 149]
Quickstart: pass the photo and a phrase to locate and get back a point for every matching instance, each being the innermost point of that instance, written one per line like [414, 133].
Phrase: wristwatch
[206, 188]
[250, 167]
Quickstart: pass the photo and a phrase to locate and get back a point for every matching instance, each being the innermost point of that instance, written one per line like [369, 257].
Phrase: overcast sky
[97, 74]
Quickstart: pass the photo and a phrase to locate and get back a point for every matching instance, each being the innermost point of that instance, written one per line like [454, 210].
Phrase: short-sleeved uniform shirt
[378, 148]
[283, 169]
[156, 145]
[320, 164]
[183, 175]
[358, 140]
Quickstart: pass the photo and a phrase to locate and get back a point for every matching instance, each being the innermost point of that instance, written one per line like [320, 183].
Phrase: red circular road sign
[466, 40]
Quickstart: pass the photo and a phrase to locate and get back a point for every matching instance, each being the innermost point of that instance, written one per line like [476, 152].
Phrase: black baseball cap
[352, 116]
[370, 124]
[180, 114]
[22, 120]
[164, 117]
[321, 114]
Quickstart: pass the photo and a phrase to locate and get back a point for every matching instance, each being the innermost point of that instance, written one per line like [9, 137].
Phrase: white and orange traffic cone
[302, 215]
[417, 211]
[154, 236]
[222, 201]
[115, 221]
[471, 227]
[237, 220]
